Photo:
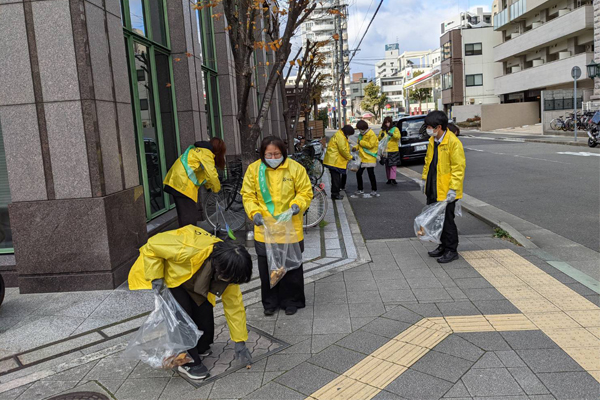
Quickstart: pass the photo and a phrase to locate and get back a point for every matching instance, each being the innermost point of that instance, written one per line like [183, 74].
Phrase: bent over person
[442, 179]
[198, 267]
[336, 160]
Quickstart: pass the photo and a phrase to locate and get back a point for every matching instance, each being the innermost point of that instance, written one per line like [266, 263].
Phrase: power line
[368, 26]
[363, 22]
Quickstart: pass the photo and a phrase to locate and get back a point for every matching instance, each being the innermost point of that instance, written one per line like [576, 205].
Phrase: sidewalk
[383, 321]
[527, 136]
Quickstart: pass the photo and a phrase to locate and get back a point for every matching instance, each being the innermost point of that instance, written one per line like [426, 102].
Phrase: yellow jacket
[450, 167]
[176, 256]
[202, 163]
[368, 142]
[289, 184]
[338, 151]
[392, 146]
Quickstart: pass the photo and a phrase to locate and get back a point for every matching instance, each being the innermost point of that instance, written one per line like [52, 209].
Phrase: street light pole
[341, 63]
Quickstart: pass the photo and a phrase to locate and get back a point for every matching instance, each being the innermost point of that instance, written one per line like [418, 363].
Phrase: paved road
[559, 192]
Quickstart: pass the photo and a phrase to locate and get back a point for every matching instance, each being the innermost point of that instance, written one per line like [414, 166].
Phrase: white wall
[483, 64]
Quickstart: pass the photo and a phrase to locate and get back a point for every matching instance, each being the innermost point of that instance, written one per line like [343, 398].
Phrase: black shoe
[389, 182]
[448, 257]
[196, 372]
[337, 197]
[394, 182]
[437, 252]
[269, 311]
[291, 310]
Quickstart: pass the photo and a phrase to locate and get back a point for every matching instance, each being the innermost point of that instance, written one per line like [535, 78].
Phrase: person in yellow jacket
[367, 149]
[196, 167]
[272, 186]
[197, 267]
[442, 179]
[392, 161]
[336, 160]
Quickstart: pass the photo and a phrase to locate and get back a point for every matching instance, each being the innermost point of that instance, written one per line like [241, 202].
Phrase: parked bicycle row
[583, 120]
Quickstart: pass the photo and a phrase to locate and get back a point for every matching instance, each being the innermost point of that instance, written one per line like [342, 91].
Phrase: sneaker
[206, 353]
[374, 194]
[195, 372]
[358, 194]
[337, 197]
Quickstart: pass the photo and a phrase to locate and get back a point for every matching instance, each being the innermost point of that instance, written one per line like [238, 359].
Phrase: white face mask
[430, 132]
[274, 162]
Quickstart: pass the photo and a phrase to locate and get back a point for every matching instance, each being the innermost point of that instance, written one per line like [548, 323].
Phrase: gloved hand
[295, 209]
[423, 185]
[258, 219]
[158, 285]
[242, 352]
[451, 196]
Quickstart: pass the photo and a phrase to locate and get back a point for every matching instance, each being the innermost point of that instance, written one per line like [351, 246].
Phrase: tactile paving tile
[574, 337]
[589, 359]
[472, 323]
[511, 322]
[555, 320]
[344, 388]
[376, 372]
[587, 319]
[537, 305]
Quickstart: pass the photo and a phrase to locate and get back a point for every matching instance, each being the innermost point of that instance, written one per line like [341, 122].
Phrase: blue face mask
[274, 162]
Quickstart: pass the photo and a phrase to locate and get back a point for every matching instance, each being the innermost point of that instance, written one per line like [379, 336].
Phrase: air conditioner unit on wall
[564, 54]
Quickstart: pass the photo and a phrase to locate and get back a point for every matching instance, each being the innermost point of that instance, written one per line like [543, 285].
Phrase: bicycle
[226, 208]
[318, 207]
[558, 124]
[313, 165]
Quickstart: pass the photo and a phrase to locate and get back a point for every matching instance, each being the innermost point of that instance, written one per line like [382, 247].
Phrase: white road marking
[520, 156]
[581, 153]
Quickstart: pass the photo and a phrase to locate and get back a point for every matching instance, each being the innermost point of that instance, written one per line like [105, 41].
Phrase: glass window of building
[475, 80]
[6, 243]
[447, 81]
[150, 72]
[209, 69]
[473, 49]
[447, 50]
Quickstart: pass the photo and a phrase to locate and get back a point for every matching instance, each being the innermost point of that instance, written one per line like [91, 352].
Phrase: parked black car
[413, 145]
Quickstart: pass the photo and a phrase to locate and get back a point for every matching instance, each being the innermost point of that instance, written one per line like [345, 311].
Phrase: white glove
[451, 196]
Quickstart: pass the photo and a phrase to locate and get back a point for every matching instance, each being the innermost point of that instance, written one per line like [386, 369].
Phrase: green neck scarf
[264, 188]
[191, 174]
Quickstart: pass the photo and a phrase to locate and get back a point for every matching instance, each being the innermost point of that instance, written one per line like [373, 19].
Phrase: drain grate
[80, 396]
[222, 361]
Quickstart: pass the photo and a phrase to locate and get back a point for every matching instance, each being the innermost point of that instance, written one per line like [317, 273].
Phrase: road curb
[544, 141]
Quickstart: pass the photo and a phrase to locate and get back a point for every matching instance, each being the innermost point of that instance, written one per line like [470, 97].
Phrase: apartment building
[321, 27]
[356, 92]
[541, 41]
[468, 67]
[389, 65]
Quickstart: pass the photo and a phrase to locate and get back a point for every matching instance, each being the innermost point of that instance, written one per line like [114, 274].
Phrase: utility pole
[336, 72]
[341, 61]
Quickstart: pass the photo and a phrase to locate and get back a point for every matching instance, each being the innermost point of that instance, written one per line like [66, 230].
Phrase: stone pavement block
[113, 367]
[321, 342]
[416, 385]
[488, 360]
[483, 294]
[510, 359]
[357, 276]
[491, 382]
[61, 347]
[472, 283]
[303, 347]
[456, 293]
[442, 366]
[331, 325]
[423, 283]
[358, 323]
[331, 298]
[236, 385]
[581, 289]
[387, 275]
[549, 360]
[386, 327]
[378, 248]
[306, 378]
[334, 253]
[356, 286]
[401, 295]
[180, 389]
[425, 310]
[459, 347]
[488, 341]
[383, 259]
[363, 342]
[112, 385]
[271, 375]
[392, 284]
[14, 393]
[274, 390]
[285, 362]
[366, 310]
[266, 325]
[571, 385]
[331, 311]
[457, 273]
[432, 295]
[45, 389]
[528, 340]
[143, 370]
[337, 359]
[400, 313]
[496, 307]
[385, 395]
[367, 296]
[528, 381]
[142, 389]
[302, 313]
[293, 327]
[330, 287]
[458, 390]
[423, 273]
[73, 374]
[457, 308]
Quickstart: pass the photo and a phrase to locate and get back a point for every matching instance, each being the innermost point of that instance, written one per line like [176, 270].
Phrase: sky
[414, 24]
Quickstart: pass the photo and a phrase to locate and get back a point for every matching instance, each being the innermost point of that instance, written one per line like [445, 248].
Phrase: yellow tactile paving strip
[569, 319]
[566, 317]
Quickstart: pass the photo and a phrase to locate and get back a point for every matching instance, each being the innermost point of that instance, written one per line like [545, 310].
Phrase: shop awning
[423, 78]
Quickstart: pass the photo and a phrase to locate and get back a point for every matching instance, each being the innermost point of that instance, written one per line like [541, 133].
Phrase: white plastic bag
[282, 245]
[354, 164]
[165, 336]
[382, 149]
[430, 223]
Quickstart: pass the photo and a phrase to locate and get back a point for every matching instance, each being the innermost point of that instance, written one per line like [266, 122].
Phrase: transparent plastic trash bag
[165, 336]
[382, 149]
[430, 223]
[354, 164]
[282, 246]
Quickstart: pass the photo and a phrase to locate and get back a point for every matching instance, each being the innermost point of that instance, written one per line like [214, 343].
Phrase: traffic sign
[343, 93]
[576, 73]
[344, 102]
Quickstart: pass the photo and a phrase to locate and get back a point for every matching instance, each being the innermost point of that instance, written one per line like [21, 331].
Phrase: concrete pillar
[596, 96]
[77, 211]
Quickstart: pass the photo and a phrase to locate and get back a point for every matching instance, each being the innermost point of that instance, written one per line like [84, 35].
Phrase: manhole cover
[80, 396]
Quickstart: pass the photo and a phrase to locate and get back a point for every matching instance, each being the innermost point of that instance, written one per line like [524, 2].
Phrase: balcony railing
[501, 19]
[517, 9]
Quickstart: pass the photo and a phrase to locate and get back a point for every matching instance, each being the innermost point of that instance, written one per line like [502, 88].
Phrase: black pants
[371, 172]
[344, 179]
[203, 316]
[450, 232]
[289, 291]
[338, 181]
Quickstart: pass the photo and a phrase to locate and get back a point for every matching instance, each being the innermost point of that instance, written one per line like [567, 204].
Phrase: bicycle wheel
[318, 208]
[317, 169]
[219, 214]
[555, 125]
